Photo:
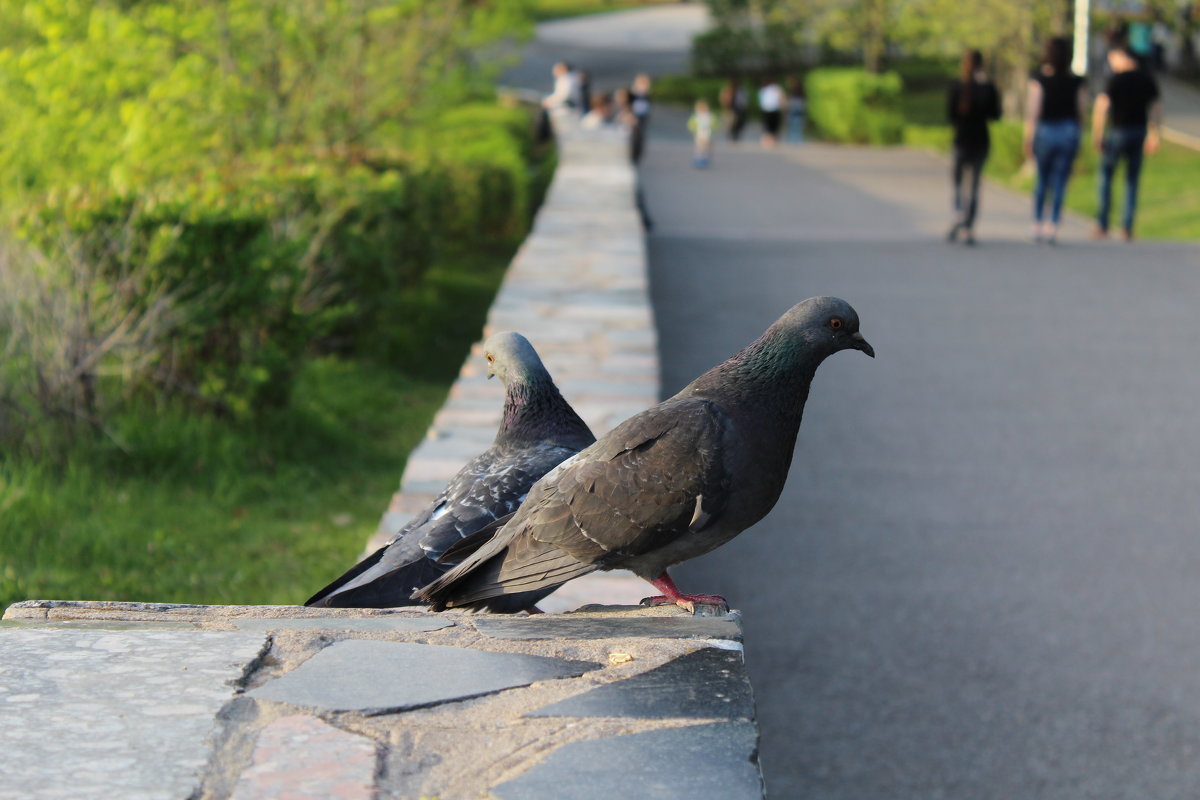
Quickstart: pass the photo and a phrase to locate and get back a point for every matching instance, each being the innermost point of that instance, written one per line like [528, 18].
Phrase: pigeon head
[825, 325]
[512, 358]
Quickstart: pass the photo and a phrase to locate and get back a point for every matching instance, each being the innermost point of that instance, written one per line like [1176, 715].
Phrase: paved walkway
[981, 579]
[1181, 109]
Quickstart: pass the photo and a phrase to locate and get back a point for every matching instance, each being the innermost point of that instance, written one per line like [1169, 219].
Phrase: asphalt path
[983, 577]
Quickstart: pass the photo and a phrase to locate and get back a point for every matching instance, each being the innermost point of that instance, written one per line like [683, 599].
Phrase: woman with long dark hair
[971, 104]
[1056, 105]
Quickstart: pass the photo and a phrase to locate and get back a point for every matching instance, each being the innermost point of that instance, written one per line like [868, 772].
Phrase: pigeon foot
[671, 594]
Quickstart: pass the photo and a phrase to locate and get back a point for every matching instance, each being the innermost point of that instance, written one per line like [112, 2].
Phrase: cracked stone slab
[719, 760]
[382, 623]
[709, 683]
[582, 625]
[79, 706]
[378, 677]
[303, 758]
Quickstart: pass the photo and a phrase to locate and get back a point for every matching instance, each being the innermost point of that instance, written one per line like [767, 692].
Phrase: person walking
[735, 106]
[1056, 105]
[770, 102]
[639, 102]
[971, 104]
[702, 124]
[1132, 106]
[797, 110]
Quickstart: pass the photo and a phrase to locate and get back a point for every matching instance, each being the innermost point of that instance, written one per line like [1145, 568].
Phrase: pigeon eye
[836, 323]
[490, 358]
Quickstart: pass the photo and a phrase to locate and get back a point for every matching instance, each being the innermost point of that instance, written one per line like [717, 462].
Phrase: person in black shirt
[1131, 104]
[1055, 108]
[971, 104]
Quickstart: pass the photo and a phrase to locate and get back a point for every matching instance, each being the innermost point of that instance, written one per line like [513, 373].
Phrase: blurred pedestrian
[735, 106]
[770, 102]
[971, 104]
[601, 113]
[797, 110]
[1132, 107]
[639, 102]
[566, 88]
[702, 124]
[584, 90]
[1056, 105]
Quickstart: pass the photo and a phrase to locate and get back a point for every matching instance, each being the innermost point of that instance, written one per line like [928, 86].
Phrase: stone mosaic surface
[78, 707]
[587, 626]
[378, 677]
[302, 758]
[708, 683]
[385, 623]
[703, 761]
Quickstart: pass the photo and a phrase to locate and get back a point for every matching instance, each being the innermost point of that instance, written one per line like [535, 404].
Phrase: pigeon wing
[635, 490]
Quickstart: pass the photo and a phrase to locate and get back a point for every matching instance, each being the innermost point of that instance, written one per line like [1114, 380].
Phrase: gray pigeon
[668, 484]
[538, 431]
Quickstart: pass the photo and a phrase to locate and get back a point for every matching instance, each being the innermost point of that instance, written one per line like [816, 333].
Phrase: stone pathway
[142, 700]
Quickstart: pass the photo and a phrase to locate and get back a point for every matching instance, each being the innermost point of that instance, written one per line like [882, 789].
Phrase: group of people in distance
[1126, 119]
[628, 107]
[773, 104]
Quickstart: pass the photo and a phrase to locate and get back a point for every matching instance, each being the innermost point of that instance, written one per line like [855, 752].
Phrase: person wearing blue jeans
[1056, 104]
[1130, 102]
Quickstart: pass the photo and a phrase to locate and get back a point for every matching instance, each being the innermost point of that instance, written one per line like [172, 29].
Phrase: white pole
[1079, 64]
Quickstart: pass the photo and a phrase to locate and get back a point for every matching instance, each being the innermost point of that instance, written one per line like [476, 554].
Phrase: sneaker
[952, 236]
[1099, 233]
[1127, 234]
[970, 240]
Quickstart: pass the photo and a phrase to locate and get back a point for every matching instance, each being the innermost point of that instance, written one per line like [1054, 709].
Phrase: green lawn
[555, 9]
[196, 509]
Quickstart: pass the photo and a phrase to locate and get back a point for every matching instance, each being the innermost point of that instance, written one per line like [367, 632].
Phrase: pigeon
[668, 484]
[539, 430]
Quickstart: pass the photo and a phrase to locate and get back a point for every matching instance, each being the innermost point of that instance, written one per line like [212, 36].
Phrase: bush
[726, 50]
[852, 105]
[295, 252]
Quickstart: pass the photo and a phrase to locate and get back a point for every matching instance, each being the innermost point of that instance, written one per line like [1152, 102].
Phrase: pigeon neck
[771, 375]
[535, 411]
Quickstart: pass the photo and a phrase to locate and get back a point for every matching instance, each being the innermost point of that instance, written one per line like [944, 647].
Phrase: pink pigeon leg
[671, 594]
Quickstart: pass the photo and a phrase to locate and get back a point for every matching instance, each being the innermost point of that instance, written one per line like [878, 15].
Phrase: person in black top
[1055, 108]
[971, 104]
[1130, 102]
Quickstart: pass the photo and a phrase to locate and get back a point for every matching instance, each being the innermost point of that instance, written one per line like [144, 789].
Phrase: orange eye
[835, 323]
[490, 358]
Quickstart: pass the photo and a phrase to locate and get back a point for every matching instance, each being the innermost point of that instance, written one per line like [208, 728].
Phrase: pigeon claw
[688, 601]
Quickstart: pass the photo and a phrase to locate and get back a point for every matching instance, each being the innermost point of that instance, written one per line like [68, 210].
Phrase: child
[702, 123]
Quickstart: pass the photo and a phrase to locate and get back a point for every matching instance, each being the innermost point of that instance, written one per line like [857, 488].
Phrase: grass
[197, 509]
[558, 9]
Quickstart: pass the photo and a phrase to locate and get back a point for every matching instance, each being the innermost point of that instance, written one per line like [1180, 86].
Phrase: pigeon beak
[862, 344]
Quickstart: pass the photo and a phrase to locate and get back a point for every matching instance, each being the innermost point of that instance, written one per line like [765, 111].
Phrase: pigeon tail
[383, 590]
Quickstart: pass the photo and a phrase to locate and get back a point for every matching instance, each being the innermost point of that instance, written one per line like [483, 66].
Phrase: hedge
[852, 105]
[292, 252]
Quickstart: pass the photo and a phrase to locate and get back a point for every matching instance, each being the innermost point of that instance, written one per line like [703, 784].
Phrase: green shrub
[852, 105]
[294, 252]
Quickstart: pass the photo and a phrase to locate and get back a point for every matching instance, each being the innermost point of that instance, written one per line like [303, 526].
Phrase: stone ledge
[578, 288]
[286, 701]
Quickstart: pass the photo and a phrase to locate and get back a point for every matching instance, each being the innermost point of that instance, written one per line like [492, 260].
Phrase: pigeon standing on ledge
[666, 485]
[538, 431]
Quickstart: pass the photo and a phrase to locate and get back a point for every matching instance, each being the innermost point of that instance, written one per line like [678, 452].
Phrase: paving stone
[585, 626]
[120, 714]
[301, 758]
[381, 677]
[373, 623]
[709, 683]
[701, 761]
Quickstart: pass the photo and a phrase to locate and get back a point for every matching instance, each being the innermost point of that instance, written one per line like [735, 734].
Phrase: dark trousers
[1121, 143]
[968, 168]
